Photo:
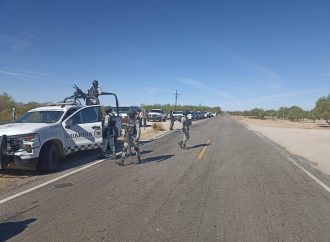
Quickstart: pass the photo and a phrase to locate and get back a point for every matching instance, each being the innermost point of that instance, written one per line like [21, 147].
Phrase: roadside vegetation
[7, 103]
[157, 127]
[321, 111]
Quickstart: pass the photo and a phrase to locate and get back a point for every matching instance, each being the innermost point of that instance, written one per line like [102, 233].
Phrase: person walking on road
[185, 123]
[172, 120]
[108, 133]
[131, 138]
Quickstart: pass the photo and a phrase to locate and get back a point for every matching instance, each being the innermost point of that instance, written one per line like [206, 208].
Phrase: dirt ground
[312, 143]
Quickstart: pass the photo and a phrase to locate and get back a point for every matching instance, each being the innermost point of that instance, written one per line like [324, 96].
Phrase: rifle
[79, 93]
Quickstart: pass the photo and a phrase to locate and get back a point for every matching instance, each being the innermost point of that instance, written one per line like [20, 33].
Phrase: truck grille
[12, 145]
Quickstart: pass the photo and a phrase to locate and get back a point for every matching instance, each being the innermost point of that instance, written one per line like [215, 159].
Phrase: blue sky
[233, 54]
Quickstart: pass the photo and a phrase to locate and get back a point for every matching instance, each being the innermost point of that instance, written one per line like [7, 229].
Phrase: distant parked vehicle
[192, 115]
[195, 115]
[123, 112]
[199, 115]
[177, 115]
[157, 115]
[207, 114]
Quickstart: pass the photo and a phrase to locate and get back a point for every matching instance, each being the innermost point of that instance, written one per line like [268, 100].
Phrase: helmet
[131, 114]
[108, 109]
[185, 112]
[95, 83]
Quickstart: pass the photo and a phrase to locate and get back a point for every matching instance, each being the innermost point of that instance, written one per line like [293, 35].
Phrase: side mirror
[69, 123]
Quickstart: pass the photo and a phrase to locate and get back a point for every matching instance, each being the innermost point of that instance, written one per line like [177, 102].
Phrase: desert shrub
[157, 127]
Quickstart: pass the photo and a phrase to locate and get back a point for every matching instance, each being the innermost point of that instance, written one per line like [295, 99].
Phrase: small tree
[258, 113]
[322, 108]
[6, 105]
[295, 113]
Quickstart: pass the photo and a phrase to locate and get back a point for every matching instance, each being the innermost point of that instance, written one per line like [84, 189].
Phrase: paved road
[240, 187]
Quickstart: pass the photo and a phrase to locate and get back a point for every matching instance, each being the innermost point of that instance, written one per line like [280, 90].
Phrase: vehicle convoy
[124, 110]
[177, 115]
[44, 135]
[156, 115]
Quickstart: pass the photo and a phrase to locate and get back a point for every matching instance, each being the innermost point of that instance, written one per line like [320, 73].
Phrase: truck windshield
[121, 109]
[40, 117]
[156, 111]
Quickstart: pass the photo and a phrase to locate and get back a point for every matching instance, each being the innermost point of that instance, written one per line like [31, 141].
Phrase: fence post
[13, 114]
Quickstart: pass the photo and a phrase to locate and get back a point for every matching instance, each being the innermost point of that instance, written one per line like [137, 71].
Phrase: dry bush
[157, 127]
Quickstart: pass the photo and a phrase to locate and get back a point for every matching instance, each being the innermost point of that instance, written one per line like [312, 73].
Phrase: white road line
[68, 174]
[48, 182]
[157, 137]
[318, 181]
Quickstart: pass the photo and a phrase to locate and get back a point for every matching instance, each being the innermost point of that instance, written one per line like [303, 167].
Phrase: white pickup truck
[156, 115]
[43, 136]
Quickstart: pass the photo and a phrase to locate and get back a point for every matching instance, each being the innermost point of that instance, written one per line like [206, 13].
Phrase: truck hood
[21, 128]
[151, 113]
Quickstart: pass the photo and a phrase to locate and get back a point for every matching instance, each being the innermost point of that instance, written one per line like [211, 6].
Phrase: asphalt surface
[239, 187]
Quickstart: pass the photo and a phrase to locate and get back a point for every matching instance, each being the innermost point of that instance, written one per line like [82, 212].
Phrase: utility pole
[176, 94]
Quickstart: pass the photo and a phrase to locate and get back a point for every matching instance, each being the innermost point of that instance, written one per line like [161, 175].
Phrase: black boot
[138, 159]
[101, 156]
[120, 161]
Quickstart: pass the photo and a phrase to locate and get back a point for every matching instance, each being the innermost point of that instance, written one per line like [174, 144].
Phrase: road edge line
[2, 201]
[317, 180]
[49, 182]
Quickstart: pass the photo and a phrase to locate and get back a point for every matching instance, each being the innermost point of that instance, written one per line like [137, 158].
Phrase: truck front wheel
[49, 158]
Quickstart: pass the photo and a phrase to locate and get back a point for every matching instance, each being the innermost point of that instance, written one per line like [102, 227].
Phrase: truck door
[83, 130]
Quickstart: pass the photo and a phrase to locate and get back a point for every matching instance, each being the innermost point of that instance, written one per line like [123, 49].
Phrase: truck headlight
[25, 142]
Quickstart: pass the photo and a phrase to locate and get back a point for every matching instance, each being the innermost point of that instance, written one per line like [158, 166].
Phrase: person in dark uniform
[108, 134]
[172, 120]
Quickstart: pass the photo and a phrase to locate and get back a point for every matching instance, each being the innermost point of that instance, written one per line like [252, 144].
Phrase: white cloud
[192, 82]
[32, 75]
[277, 96]
[151, 91]
[199, 84]
[274, 80]
[20, 44]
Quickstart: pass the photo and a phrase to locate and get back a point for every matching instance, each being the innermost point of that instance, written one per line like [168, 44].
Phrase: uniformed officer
[185, 123]
[172, 120]
[108, 133]
[93, 93]
[131, 138]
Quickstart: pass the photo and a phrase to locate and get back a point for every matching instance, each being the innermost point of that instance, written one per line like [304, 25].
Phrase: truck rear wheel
[49, 158]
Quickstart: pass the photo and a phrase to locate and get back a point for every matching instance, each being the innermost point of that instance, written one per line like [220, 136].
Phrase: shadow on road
[197, 146]
[19, 173]
[11, 229]
[146, 152]
[156, 158]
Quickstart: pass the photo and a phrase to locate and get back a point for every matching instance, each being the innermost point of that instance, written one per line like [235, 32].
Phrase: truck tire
[49, 158]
